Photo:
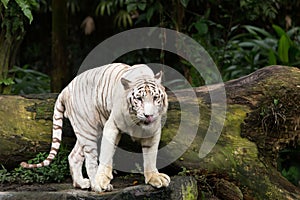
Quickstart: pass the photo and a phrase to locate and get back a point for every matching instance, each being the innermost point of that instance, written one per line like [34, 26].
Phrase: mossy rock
[181, 187]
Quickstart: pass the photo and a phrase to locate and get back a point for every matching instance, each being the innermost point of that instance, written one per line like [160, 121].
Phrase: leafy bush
[28, 81]
[288, 164]
[256, 48]
[292, 174]
[57, 171]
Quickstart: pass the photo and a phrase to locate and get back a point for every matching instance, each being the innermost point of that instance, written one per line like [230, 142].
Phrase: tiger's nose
[148, 116]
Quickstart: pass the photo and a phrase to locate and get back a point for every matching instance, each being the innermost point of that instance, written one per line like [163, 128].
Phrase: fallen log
[262, 126]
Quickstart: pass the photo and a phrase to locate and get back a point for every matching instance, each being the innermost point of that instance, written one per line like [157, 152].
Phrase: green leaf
[104, 6]
[201, 27]
[184, 2]
[5, 2]
[142, 5]
[293, 31]
[149, 14]
[283, 49]
[25, 7]
[121, 3]
[123, 19]
[280, 32]
[262, 44]
[272, 58]
[7, 81]
[131, 7]
[254, 30]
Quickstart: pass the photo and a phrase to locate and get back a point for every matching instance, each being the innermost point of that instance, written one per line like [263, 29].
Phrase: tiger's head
[147, 99]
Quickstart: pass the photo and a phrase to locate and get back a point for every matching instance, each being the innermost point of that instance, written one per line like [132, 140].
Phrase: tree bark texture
[262, 120]
[60, 71]
[12, 33]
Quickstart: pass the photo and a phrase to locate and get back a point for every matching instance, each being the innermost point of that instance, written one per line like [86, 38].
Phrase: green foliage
[57, 171]
[5, 2]
[256, 48]
[184, 172]
[292, 174]
[28, 81]
[14, 15]
[124, 10]
[26, 7]
[255, 8]
[7, 81]
[288, 164]
[12, 22]
[73, 6]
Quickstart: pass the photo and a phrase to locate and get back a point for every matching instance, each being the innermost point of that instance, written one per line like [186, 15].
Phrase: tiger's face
[147, 100]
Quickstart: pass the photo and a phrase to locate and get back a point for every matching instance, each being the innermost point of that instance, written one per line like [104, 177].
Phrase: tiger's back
[88, 97]
[86, 102]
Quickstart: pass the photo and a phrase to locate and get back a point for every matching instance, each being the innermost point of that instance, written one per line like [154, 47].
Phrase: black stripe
[59, 118]
[104, 87]
[61, 111]
[52, 154]
[55, 140]
[89, 139]
[57, 128]
[81, 101]
[54, 149]
[49, 159]
[91, 150]
[119, 74]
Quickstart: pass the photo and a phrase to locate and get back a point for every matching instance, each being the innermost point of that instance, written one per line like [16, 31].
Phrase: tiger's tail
[56, 135]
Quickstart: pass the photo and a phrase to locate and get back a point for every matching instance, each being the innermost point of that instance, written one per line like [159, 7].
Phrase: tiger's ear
[126, 83]
[158, 76]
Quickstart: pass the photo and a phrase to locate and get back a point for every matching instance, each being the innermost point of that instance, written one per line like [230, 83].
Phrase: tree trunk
[11, 37]
[60, 71]
[261, 126]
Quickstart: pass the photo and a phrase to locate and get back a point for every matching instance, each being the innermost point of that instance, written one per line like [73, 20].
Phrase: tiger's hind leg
[91, 162]
[76, 159]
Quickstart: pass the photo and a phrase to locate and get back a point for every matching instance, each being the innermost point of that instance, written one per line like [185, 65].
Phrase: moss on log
[19, 131]
[26, 127]
[262, 119]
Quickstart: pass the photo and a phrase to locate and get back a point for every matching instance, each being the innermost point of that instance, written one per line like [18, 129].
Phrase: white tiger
[109, 100]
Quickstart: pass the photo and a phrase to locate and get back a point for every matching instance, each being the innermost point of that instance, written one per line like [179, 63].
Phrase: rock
[181, 187]
[228, 191]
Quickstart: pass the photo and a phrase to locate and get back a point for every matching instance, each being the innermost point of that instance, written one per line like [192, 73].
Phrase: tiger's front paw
[157, 180]
[83, 183]
[102, 183]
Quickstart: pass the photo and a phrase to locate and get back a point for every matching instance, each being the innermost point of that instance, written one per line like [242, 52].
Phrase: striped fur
[106, 101]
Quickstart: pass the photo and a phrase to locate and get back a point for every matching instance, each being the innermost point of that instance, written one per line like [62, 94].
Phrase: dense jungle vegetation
[43, 43]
